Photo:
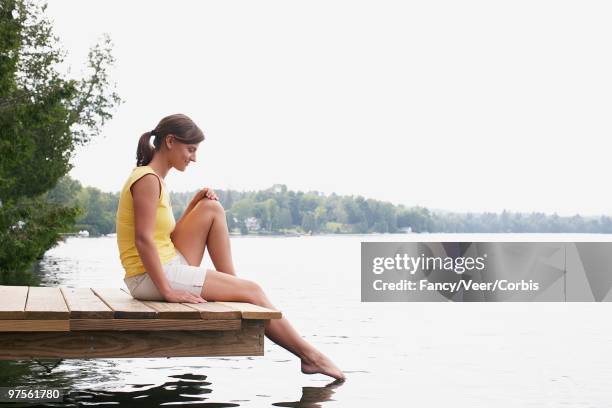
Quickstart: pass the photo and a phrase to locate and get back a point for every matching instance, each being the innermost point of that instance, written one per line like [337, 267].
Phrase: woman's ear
[170, 140]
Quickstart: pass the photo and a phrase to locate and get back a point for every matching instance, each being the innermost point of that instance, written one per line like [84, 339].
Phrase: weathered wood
[250, 311]
[34, 325]
[214, 310]
[248, 341]
[208, 310]
[13, 302]
[84, 304]
[153, 324]
[45, 303]
[166, 310]
[44, 322]
[124, 305]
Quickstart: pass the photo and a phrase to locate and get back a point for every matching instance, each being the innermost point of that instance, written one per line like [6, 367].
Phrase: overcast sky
[458, 105]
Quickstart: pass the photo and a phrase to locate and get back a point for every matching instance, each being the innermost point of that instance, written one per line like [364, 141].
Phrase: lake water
[394, 354]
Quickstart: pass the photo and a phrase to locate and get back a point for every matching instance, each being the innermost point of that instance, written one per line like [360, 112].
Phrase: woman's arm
[145, 195]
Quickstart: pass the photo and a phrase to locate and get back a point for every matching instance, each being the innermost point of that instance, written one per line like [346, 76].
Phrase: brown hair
[179, 125]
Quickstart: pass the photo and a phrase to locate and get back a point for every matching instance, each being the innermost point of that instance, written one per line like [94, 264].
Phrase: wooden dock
[60, 322]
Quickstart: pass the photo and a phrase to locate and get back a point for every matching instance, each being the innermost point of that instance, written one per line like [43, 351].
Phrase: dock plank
[248, 341]
[13, 302]
[250, 311]
[167, 310]
[153, 324]
[208, 310]
[84, 304]
[45, 303]
[214, 310]
[34, 325]
[124, 305]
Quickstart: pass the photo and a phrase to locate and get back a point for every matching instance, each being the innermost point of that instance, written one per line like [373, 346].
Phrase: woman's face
[181, 154]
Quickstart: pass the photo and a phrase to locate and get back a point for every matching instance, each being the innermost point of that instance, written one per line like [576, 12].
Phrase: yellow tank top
[164, 225]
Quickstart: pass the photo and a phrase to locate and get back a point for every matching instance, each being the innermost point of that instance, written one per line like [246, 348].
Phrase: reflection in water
[188, 389]
[311, 396]
[191, 389]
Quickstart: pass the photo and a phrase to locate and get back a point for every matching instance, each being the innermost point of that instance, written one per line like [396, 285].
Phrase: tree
[98, 211]
[272, 211]
[320, 216]
[229, 219]
[309, 222]
[262, 213]
[294, 207]
[417, 218]
[284, 218]
[44, 116]
[243, 208]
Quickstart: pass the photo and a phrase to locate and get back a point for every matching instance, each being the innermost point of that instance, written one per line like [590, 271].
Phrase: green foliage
[44, 116]
[37, 229]
[276, 209]
[99, 211]
[96, 210]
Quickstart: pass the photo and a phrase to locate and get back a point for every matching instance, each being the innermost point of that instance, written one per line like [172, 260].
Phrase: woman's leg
[220, 286]
[205, 227]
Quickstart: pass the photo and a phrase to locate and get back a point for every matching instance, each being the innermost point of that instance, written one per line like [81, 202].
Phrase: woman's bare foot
[319, 363]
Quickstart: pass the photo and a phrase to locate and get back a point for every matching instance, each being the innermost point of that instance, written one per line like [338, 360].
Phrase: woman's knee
[255, 293]
[208, 206]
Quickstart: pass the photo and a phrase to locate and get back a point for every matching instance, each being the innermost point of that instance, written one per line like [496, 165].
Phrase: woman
[162, 257]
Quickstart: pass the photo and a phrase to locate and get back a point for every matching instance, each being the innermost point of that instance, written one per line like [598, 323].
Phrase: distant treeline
[277, 210]
[97, 209]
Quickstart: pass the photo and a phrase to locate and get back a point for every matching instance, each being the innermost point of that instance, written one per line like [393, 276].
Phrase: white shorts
[180, 275]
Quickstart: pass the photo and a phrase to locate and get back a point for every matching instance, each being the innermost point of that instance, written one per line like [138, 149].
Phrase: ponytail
[145, 151]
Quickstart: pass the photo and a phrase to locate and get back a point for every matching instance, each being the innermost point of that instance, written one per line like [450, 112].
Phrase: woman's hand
[209, 193]
[202, 194]
[182, 296]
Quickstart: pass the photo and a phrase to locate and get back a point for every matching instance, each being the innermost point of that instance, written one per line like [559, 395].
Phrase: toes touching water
[319, 363]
